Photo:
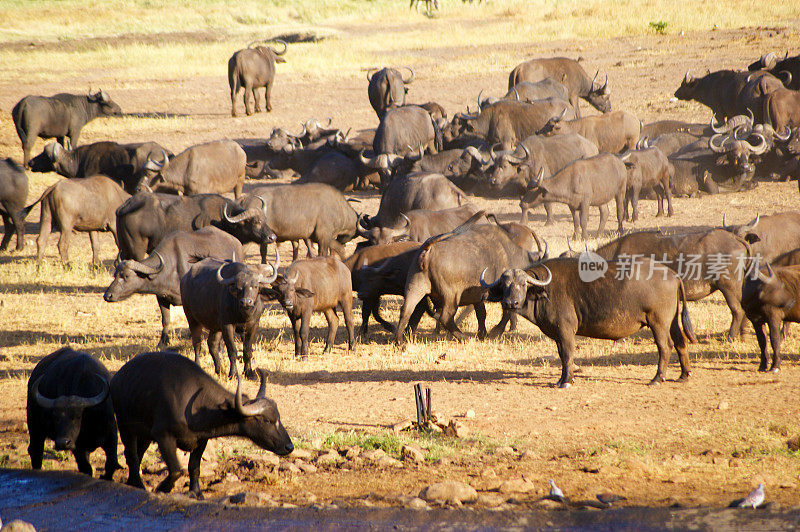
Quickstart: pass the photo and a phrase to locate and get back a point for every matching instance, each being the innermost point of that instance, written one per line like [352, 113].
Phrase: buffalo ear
[304, 292]
[537, 292]
[201, 220]
[280, 60]
[751, 238]
[629, 165]
[268, 294]
[721, 160]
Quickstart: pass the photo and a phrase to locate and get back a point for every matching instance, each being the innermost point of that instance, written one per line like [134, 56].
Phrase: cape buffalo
[251, 69]
[569, 73]
[160, 273]
[167, 398]
[68, 403]
[223, 297]
[419, 225]
[88, 205]
[61, 116]
[782, 109]
[648, 168]
[717, 90]
[611, 132]
[787, 68]
[13, 195]
[387, 89]
[527, 91]
[555, 298]
[769, 236]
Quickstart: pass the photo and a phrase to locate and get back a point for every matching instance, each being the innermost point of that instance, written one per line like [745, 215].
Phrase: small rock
[270, 460]
[289, 466]
[549, 504]
[387, 462]
[306, 467]
[455, 429]
[470, 414]
[373, 455]
[417, 504]
[18, 525]
[491, 500]
[412, 453]
[720, 460]
[315, 443]
[329, 458]
[504, 450]
[402, 425]
[302, 454]
[517, 485]
[488, 472]
[794, 443]
[528, 454]
[723, 405]
[448, 491]
[247, 498]
[231, 477]
[352, 452]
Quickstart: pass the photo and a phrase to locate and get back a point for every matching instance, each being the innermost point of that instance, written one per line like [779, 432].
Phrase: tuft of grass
[659, 26]
[435, 446]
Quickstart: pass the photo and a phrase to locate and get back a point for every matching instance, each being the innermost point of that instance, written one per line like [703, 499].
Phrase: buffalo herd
[180, 235]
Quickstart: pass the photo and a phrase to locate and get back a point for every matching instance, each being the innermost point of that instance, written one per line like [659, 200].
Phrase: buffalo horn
[717, 148]
[72, 400]
[759, 148]
[370, 73]
[408, 222]
[253, 408]
[724, 225]
[137, 266]
[484, 284]
[263, 204]
[768, 60]
[410, 79]
[786, 74]
[754, 223]
[475, 153]
[688, 78]
[536, 282]
[274, 274]
[516, 94]
[242, 216]
[787, 133]
[222, 280]
[569, 245]
[536, 182]
[770, 272]
[285, 46]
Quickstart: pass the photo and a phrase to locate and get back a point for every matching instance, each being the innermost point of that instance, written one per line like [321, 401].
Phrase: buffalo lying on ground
[251, 69]
[61, 116]
[68, 403]
[315, 285]
[554, 297]
[13, 195]
[160, 273]
[166, 398]
[418, 225]
[224, 297]
[213, 167]
[569, 73]
[387, 89]
[87, 205]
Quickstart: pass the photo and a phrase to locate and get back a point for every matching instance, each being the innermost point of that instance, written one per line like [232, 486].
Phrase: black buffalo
[387, 89]
[251, 69]
[13, 195]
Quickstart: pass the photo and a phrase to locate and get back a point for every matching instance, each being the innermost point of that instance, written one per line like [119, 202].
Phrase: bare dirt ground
[702, 443]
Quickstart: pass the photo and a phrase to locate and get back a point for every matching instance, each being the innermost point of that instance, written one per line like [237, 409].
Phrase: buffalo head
[285, 290]
[107, 106]
[129, 278]
[736, 151]
[599, 95]
[688, 87]
[248, 285]
[384, 235]
[744, 231]
[768, 288]
[261, 421]
[250, 225]
[515, 286]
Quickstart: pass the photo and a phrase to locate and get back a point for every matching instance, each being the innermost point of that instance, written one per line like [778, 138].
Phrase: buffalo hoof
[684, 377]
[250, 374]
[301, 358]
[196, 495]
[774, 369]
[563, 385]
[656, 381]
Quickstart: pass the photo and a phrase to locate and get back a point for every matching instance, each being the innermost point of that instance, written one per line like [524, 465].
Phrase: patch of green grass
[434, 445]
[659, 26]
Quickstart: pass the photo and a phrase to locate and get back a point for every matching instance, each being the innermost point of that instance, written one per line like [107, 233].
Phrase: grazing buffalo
[569, 73]
[326, 217]
[415, 191]
[505, 122]
[611, 132]
[769, 236]
[782, 109]
[556, 298]
[648, 168]
[585, 183]
[61, 116]
[707, 261]
[787, 68]
[536, 156]
[211, 168]
[769, 297]
[145, 219]
[315, 285]
[160, 273]
[251, 69]
[68, 403]
[418, 225]
[387, 89]
[224, 297]
[447, 268]
[13, 195]
[88, 205]
[120, 162]
[167, 398]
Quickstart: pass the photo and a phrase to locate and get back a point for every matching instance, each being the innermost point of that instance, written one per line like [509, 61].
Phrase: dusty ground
[704, 442]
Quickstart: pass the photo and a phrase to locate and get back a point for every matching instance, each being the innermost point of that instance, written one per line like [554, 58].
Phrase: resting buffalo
[146, 218]
[61, 116]
[387, 89]
[569, 73]
[769, 297]
[224, 297]
[556, 298]
[315, 285]
[251, 69]
[611, 132]
[584, 183]
[527, 91]
[13, 195]
[167, 398]
[160, 273]
[780, 68]
[418, 225]
[87, 205]
[326, 217]
[213, 167]
[120, 162]
[68, 403]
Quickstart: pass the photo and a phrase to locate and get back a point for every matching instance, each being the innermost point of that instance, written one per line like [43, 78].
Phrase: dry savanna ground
[702, 442]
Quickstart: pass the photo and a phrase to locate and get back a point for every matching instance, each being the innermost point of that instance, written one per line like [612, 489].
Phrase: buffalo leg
[110, 448]
[566, 351]
[228, 335]
[298, 343]
[548, 209]
[333, 326]
[8, 227]
[248, 107]
[775, 340]
[762, 344]
[133, 457]
[662, 343]
[196, 330]
[416, 316]
[447, 318]
[95, 241]
[214, 349]
[82, 459]
[169, 453]
[164, 308]
[64, 238]
[338, 248]
[255, 99]
[36, 446]
[603, 219]
[737, 313]
[305, 329]
[634, 201]
[267, 95]
[263, 248]
[295, 250]
[45, 226]
[480, 314]
[347, 314]
[576, 223]
[194, 468]
[234, 94]
[498, 329]
[679, 343]
[368, 307]
[247, 351]
[417, 288]
[309, 247]
[620, 203]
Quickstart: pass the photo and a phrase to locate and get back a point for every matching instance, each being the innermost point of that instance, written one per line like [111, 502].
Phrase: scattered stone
[329, 458]
[455, 429]
[433, 427]
[288, 505]
[470, 414]
[548, 504]
[231, 477]
[373, 455]
[402, 425]
[387, 462]
[723, 405]
[307, 468]
[303, 454]
[504, 450]
[720, 460]
[516, 485]
[794, 443]
[488, 472]
[412, 453]
[247, 498]
[448, 491]
[528, 454]
[352, 452]
[270, 460]
[289, 466]
[491, 500]
[417, 504]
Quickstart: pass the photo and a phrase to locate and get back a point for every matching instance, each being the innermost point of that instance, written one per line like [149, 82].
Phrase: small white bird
[754, 498]
[555, 491]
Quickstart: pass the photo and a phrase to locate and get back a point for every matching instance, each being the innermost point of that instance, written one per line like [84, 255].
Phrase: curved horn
[536, 282]
[474, 152]
[250, 409]
[543, 255]
[263, 204]
[717, 148]
[626, 156]
[305, 130]
[88, 402]
[43, 401]
[787, 75]
[480, 101]
[467, 115]
[716, 128]
[688, 78]
[242, 216]
[516, 94]
[787, 133]
[370, 73]
[759, 148]
[754, 223]
[538, 181]
[770, 272]
[222, 280]
[604, 88]
[724, 225]
[285, 47]
[484, 284]
[561, 116]
[527, 153]
[137, 266]
[274, 274]
[569, 245]
[768, 60]
[408, 222]
[411, 79]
